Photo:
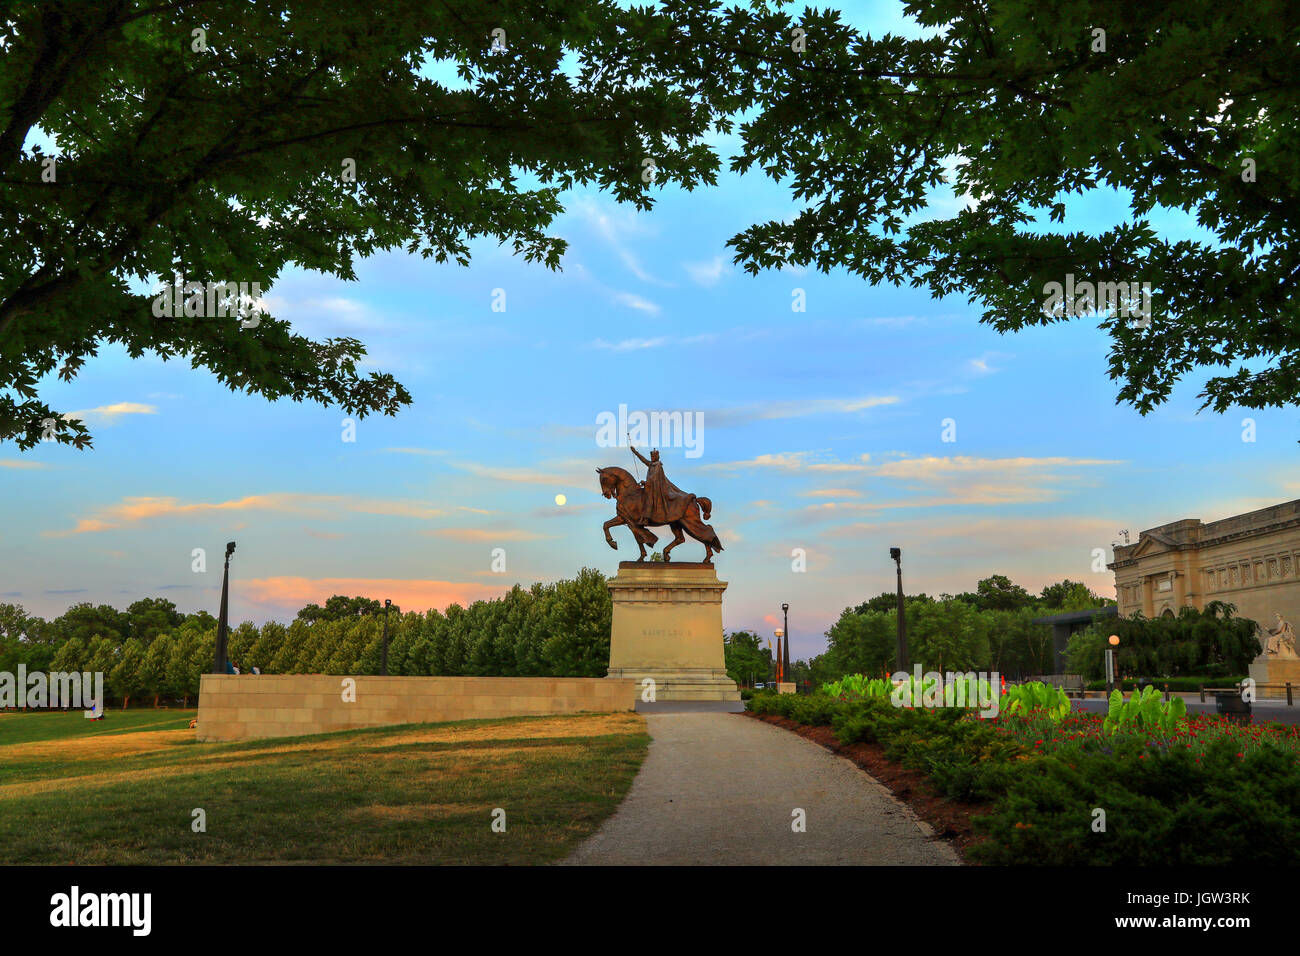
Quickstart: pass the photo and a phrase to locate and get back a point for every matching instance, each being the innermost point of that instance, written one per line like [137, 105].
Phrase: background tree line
[987, 629]
[1209, 643]
[153, 651]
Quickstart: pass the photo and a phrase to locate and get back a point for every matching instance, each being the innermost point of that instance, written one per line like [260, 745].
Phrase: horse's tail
[705, 505]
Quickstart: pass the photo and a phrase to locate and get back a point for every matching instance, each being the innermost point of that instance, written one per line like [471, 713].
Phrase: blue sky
[822, 431]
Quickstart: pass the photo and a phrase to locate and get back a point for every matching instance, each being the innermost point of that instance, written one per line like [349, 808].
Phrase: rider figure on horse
[665, 502]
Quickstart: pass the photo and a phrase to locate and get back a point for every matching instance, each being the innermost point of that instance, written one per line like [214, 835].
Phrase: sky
[822, 443]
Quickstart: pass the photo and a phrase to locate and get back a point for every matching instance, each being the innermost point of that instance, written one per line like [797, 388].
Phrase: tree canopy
[224, 141]
[1024, 107]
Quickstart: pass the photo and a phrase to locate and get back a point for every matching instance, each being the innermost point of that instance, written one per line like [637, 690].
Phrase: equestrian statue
[653, 502]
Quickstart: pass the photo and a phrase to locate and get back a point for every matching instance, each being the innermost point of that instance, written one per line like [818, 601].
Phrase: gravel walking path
[721, 789]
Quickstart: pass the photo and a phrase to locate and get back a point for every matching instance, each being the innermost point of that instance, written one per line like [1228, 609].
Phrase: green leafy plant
[859, 685]
[1144, 711]
[911, 692]
[1025, 698]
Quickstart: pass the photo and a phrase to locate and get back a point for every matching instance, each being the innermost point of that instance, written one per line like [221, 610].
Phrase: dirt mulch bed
[951, 820]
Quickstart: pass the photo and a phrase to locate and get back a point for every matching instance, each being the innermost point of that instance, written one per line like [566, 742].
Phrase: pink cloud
[411, 595]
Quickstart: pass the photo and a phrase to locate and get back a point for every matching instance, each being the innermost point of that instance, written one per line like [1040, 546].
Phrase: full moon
[560, 499]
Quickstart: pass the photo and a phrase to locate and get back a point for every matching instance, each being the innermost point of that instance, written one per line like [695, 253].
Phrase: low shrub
[1160, 809]
[961, 776]
[1174, 789]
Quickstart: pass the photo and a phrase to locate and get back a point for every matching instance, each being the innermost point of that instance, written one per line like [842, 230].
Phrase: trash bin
[1230, 705]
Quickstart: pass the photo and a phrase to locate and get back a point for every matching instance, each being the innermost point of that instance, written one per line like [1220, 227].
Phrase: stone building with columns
[1250, 560]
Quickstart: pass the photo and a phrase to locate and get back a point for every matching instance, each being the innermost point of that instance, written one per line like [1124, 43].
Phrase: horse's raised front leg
[611, 523]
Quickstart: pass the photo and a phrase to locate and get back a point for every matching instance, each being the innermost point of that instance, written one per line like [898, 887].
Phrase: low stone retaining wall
[243, 706]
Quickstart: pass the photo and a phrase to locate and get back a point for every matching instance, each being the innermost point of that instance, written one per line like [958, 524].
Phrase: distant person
[236, 667]
[256, 670]
[230, 668]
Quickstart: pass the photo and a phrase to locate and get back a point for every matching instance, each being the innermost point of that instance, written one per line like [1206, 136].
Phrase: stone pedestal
[1274, 671]
[668, 626]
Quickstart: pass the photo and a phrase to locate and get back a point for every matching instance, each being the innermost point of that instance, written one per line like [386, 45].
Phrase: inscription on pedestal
[664, 632]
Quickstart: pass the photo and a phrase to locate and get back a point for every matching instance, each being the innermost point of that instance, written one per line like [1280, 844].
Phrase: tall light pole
[219, 666]
[897, 555]
[383, 667]
[1110, 663]
[785, 661]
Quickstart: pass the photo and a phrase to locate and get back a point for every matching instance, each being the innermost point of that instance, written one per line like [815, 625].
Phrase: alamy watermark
[75, 908]
[76, 690]
[677, 429]
[977, 689]
[209, 300]
[1126, 300]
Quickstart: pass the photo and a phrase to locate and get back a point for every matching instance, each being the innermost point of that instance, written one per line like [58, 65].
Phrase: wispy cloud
[318, 315]
[794, 408]
[633, 301]
[793, 461]
[964, 480]
[134, 510]
[109, 414]
[706, 273]
[935, 468]
[486, 534]
[994, 535]
[22, 464]
[548, 474]
[613, 224]
[985, 364]
[636, 345]
[414, 451]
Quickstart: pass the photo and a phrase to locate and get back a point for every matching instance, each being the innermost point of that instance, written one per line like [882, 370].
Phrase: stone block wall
[244, 706]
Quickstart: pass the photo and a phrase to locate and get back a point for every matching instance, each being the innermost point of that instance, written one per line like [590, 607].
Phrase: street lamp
[897, 555]
[785, 661]
[383, 667]
[1110, 663]
[219, 666]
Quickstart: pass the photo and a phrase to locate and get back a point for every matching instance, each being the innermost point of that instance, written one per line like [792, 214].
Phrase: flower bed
[1202, 791]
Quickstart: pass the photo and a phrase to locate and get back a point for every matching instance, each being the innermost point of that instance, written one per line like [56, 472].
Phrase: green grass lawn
[20, 728]
[74, 790]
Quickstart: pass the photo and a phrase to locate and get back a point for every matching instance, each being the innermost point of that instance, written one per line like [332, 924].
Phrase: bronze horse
[688, 515]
